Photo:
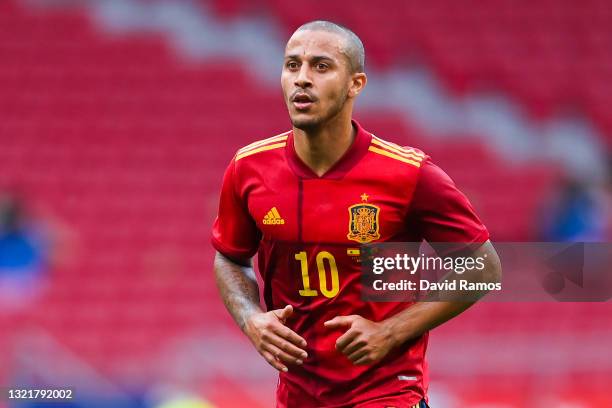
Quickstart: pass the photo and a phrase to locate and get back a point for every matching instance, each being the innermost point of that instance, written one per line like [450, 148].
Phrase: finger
[274, 362]
[282, 355]
[287, 311]
[353, 346]
[358, 355]
[284, 313]
[285, 346]
[364, 360]
[339, 322]
[289, 335]
[346, 339]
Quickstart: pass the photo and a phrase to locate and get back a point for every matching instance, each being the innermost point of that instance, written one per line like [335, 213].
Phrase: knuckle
[265, 335]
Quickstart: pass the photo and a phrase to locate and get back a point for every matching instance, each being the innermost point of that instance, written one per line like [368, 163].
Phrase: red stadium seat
[532, 50]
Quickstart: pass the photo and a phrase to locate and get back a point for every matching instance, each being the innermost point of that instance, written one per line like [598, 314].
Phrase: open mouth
[302, 101]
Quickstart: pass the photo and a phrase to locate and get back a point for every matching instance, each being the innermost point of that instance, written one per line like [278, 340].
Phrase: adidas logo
[273, 218]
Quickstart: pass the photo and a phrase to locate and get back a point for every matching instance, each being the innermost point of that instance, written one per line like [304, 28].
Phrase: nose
[303, 78]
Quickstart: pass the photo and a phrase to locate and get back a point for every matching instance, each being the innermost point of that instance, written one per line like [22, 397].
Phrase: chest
[354, 210]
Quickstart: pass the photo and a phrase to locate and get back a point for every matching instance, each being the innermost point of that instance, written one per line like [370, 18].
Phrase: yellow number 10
[321, 258]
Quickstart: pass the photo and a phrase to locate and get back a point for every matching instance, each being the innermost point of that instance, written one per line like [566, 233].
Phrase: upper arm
[234, 234]
[492, 265]
[440, 212]
[222, 259]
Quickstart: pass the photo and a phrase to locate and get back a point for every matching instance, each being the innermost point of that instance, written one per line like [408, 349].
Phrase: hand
[365, 341]
[273, 340]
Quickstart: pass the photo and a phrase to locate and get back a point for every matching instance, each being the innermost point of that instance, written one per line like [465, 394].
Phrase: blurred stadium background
[117, 118]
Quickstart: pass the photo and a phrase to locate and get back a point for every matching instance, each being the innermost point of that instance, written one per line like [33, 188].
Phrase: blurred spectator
[23, 255]
[578, 212]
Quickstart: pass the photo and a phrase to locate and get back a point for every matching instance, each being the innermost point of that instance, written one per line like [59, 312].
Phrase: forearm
[238, 289]
[422, 317]
[426, 315]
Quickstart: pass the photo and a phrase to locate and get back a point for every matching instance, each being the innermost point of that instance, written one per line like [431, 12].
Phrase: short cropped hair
[353, 48]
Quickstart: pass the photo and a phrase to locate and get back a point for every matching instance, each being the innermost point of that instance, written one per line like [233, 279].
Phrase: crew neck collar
[349, 159]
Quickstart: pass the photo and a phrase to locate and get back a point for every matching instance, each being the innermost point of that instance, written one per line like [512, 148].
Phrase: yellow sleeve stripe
[395, 156]
[260, 149]
[277, 138]
[396, 148]
[399, 152]
[395, 145]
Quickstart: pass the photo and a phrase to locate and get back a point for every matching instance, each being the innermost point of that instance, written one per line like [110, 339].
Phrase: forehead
[308, 43]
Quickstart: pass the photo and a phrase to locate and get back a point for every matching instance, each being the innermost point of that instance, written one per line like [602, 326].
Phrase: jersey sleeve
[442, 213]
[234, 233]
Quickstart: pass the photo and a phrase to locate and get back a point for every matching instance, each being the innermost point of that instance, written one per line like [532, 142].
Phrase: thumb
[339, 322]
[284, 313]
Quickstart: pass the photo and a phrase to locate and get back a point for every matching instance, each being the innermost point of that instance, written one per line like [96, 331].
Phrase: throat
[320, 151]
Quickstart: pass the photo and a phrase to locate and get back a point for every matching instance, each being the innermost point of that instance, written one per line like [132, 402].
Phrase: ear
[358, 82]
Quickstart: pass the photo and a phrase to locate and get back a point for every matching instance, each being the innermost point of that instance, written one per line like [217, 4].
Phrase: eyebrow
[314, 58]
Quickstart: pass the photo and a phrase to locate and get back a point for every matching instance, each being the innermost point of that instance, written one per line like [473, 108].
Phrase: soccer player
[305, 200]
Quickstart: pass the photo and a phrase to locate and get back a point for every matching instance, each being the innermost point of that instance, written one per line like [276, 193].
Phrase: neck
[322, 147]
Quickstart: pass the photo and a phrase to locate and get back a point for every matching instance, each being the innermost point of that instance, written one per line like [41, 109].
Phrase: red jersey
[307, 231]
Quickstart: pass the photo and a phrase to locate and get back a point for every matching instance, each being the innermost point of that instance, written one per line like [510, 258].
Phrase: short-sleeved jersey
[307, 231]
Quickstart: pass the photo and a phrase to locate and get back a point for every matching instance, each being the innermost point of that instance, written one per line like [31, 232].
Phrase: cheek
[333, 93]
[285, 84]
[334, 86]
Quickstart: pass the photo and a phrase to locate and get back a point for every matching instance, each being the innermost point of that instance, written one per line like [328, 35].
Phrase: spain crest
[363, 223]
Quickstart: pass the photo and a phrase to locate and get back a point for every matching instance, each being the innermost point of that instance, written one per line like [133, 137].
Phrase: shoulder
[403, 154]
[263, 145]
[252, 160]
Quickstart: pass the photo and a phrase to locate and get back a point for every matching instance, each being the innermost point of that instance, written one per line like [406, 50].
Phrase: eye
[292, 65]
[321, 66]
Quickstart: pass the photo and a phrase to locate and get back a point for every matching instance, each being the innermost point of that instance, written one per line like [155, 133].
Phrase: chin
[305, 123]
